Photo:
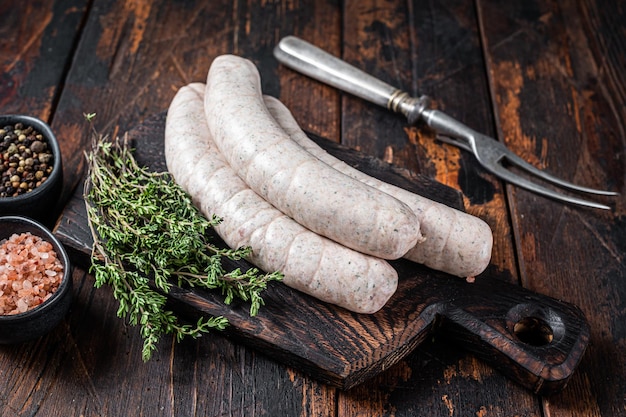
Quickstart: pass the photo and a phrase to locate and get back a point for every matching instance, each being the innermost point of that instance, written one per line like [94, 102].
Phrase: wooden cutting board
[534, 339]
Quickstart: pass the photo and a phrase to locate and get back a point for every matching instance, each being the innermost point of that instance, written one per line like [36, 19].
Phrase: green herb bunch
[148, 235]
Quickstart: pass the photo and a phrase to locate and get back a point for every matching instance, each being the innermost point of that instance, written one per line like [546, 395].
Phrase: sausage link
[454, 241]
[301, 186]
[310, 263]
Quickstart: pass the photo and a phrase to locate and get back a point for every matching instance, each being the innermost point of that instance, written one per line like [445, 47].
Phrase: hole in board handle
[533, 331]
[535, 325]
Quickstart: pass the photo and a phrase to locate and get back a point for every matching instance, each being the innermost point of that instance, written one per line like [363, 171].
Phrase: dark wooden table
[547, 78]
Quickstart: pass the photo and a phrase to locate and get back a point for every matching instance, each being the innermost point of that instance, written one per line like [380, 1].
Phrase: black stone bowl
[42, 202]
[42, 319]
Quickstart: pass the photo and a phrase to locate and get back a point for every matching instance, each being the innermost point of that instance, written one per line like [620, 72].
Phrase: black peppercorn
[26, 160]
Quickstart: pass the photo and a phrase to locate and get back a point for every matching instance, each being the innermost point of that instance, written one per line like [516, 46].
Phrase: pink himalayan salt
[30, 272]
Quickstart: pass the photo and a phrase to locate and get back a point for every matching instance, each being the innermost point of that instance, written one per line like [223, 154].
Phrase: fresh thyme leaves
[147, 235]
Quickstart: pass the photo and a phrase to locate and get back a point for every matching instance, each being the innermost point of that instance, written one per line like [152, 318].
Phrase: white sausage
[310, 263]
[455, 242]
[309, 191]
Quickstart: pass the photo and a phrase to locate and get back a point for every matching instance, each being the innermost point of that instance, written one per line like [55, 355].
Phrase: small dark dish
[40, 203]
[39, 320]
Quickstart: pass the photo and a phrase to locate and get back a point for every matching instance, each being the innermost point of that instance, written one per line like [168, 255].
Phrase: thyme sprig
[147, 234]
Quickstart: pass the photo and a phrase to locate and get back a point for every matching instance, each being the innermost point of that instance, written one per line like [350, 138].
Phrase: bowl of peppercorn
[31, 173]
[35, 280]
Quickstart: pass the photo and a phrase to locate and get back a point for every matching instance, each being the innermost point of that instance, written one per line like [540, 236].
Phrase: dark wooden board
[344, 349]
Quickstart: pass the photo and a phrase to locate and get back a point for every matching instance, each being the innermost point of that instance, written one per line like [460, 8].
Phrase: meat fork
[491, 154]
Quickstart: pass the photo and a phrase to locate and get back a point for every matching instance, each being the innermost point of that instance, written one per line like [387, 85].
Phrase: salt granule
[30, 272]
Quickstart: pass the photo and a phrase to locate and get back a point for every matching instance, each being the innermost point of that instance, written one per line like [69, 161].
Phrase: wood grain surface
[545, 77]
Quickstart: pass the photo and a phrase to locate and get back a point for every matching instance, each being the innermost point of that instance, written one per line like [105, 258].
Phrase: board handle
[535, 340]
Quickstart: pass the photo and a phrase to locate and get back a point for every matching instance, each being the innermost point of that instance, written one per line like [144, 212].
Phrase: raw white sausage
[309, 191]
[455, 242]
[310, 263]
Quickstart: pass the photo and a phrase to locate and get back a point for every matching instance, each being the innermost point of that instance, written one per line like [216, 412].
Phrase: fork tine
[490, 154]
[509, 176]
[511, 157]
